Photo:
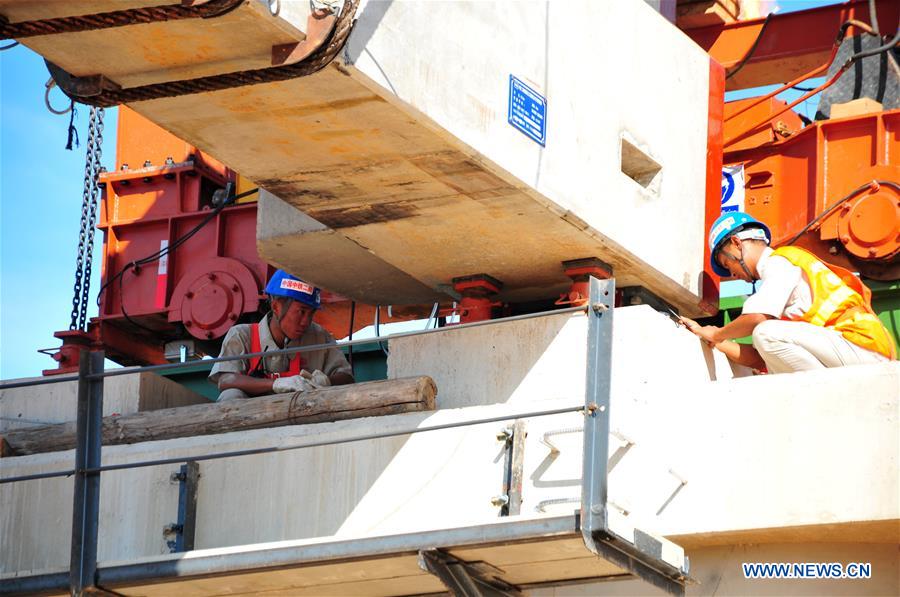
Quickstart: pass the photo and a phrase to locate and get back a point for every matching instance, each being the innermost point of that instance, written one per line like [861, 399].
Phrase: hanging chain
[85, 255]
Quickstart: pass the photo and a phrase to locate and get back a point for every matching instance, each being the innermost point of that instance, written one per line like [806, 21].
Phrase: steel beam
[792, 44]
[86, 507]
[601, 301]
[465, 579]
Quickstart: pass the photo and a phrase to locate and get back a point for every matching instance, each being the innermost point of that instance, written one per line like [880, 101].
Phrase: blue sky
[40, 210]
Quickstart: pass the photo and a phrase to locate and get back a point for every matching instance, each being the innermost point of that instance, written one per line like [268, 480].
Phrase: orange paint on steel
[793, 181]
[793, 43]
[709, 287]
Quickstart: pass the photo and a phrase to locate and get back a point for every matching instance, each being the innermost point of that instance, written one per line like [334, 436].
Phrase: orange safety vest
[840, 302]
[294, 367]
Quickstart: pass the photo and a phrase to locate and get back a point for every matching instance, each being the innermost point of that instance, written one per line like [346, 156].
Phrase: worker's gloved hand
[317, 378]
[295, 383]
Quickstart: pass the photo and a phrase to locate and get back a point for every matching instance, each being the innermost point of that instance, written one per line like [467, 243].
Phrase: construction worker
[807, 314]
[288, 324]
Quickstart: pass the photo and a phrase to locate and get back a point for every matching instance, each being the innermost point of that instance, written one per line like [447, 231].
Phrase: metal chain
[84, 259]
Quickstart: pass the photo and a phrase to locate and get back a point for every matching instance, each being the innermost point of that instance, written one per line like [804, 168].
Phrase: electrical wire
[873, 17]
[350, 336]
[831, 81]
[377, 327]
[752, 49]
[837, 204]
[431, 317]
[9, 46]
[172, 246]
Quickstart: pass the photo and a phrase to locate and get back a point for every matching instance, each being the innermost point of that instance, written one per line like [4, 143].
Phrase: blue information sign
[527, 110]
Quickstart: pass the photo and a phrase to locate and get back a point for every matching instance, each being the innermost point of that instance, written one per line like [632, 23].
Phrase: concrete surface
[123, 394]
[401, 152]
[765, 460]
[718, 571]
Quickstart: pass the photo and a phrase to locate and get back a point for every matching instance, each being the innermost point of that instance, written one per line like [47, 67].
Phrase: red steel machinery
[831, 185]
[180, 265]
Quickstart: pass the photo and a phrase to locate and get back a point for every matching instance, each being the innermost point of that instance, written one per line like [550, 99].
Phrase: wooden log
[376, 398]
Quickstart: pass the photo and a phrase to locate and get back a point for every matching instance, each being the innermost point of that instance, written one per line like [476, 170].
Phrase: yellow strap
[835, 300]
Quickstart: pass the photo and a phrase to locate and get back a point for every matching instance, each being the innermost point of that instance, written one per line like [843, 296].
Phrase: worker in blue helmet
[288, 324]
[807, 314]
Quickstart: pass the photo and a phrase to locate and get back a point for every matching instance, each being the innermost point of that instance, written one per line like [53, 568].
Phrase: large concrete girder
[401, 154]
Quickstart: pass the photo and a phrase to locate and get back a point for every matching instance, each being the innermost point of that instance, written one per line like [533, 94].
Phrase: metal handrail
[292, 350]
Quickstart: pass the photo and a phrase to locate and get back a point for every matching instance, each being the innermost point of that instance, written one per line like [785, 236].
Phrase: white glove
[319, 379]
[295, 383]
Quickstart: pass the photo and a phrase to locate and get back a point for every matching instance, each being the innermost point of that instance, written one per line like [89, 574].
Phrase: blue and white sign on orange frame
[527, 110]
[733, 188]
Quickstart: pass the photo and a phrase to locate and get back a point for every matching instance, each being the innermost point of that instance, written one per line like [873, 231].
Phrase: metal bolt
[211, 276]
[188, 323]
[845, 239]
[169, 161]
[503, 435]
[833, 250]
[172, 529]
[177, 477]
[872, 252]
[500, 500]
[599, 308]
[209, 335]
[235, 288]
[124, 166]
[189, 294]
[147, 163]
[232, 316]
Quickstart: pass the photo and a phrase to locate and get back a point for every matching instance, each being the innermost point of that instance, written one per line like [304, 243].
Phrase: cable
[434, 310]
[350, 336]
[174, 245]
[873, 17]
[9, 46]
[866, 53]
[377, 327]
[837, 204]
[752, 49]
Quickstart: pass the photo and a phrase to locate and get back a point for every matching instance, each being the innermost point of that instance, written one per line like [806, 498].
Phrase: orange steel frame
[793, 43]
[796, 175]
[791, 180]
[161, 188]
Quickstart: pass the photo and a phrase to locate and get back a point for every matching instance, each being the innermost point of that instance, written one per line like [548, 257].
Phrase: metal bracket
[510, 500]
[183, 530]
[466, 579]
[641, 557]
[319, 26]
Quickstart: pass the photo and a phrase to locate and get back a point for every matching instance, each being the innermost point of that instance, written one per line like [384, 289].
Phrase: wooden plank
[375, 398]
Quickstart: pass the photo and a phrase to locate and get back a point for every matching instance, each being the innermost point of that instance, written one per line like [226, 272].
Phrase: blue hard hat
[726, 225]
[292, 287]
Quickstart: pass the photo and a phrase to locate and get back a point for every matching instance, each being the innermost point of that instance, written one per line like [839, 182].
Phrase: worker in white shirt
[807, 314]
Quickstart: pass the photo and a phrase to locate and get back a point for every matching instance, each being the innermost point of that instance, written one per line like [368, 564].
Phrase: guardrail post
[596, 401]
[86, 508]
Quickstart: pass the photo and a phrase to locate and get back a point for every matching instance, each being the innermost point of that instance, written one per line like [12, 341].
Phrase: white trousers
[788, 346]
